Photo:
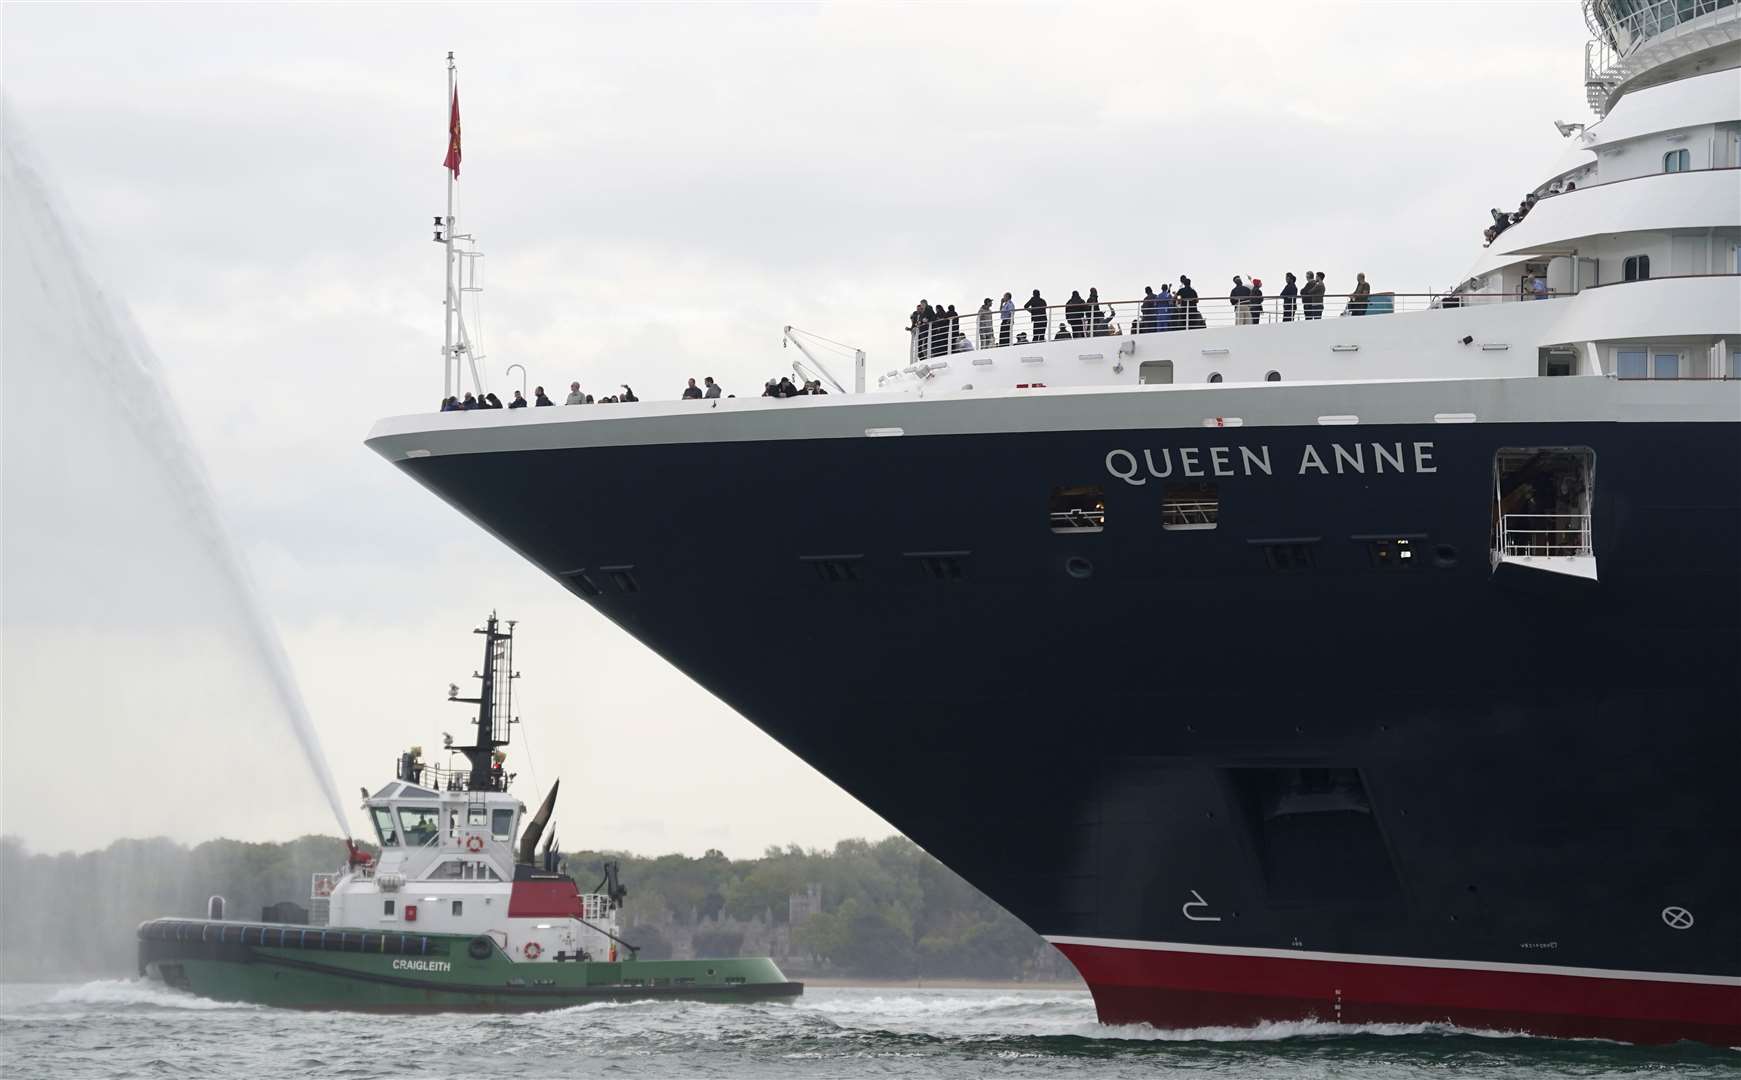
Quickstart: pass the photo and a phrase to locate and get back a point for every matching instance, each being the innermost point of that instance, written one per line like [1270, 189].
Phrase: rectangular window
[1190, 506]
[422, 824]
[1632, 364]
[458, 908]
[476, 815]
[502, 824]
[1542, 501]
[451, 870]
[1665, 365]
[1636, 268]
[1078, 509]
[387, 907]
[384, 830]
[1676, 161]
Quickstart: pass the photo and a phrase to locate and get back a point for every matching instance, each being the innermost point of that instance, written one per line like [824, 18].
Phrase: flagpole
[447, 292]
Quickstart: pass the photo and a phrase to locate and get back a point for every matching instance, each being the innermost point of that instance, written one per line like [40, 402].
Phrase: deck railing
[976, 330]
[1555, 535]
[1618, 38]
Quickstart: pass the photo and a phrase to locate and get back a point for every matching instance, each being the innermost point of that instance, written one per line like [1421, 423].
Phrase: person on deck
[627, 394]
[491, 401]
[575, 397]
[985, 324]
[1037, 315]
[1238, 298]
[712, 390]
[1358, 300]
[1164, 309]
[1312, 296]
[1188, 318]
[1146, 322]
[1289, 293]
[1075, 312]
[519, 401]
[692, 392]
[1006, 316]
[469, 403]
[1254, 303]
[539, 397]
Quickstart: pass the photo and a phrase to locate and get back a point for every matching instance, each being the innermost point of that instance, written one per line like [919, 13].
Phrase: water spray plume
[57, 312]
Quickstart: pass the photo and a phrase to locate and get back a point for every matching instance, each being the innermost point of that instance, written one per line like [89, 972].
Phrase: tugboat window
[476, 815]
[502, 825]
[1677, 161]
[384, 830]
[386, 907]
[1636, 268]
[422, 824]
[1079, 508]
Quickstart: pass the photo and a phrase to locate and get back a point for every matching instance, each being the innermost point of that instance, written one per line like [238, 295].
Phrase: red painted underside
[536, 899]
[1185, 989]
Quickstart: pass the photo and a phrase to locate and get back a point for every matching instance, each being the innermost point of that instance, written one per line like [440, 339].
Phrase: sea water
[130, 1028]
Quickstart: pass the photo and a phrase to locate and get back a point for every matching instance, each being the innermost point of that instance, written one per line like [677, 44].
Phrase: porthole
[1079, 568]
[1215, 376]
[1274, 376]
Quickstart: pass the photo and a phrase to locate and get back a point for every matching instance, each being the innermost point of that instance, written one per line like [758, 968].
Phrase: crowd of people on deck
[937, 329]
[784, 387]
[1503, 221]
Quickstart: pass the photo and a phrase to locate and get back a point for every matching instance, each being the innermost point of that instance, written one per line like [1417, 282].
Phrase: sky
[658, 189]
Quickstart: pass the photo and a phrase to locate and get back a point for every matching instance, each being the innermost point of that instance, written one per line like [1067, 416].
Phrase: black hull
[1545, 765]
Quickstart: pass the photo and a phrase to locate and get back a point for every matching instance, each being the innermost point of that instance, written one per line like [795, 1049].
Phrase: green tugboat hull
[317, 968]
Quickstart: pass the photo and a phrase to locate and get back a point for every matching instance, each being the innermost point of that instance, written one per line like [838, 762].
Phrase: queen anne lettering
[1347, 459]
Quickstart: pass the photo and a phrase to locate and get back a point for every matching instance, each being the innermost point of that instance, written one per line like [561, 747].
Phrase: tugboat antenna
[494, 702]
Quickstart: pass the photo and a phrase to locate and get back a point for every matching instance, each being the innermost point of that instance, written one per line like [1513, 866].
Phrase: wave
[113, 994]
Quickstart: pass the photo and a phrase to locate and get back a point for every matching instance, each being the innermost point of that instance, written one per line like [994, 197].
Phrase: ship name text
[1135, 467]
[422, 965]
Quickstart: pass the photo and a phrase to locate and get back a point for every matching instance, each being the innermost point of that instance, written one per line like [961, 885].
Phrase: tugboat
[453, 914]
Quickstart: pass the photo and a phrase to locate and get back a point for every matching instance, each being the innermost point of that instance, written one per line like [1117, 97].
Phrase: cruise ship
[1376, 659]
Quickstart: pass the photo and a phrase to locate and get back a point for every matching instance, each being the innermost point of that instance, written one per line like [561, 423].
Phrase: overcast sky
[658, 189]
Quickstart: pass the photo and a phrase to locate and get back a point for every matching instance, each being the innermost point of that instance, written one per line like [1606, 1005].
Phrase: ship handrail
[928, 342]
[1545, 535]
[1657, 22]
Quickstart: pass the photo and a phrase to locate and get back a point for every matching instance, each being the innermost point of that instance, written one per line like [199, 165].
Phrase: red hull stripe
[1176, 985]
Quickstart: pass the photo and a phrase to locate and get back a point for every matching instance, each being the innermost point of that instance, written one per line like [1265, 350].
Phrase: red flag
[452, 161]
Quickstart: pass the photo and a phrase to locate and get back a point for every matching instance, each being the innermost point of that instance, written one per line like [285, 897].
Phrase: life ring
[532, 951]
[474, 844]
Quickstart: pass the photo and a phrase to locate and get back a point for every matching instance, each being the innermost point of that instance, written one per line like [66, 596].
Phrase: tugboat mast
[495, 707]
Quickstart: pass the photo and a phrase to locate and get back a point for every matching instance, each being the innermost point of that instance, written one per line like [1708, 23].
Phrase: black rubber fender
[480, 948]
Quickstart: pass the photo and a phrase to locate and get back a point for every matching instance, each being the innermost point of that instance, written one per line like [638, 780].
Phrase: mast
[448, 295]
[495, 702]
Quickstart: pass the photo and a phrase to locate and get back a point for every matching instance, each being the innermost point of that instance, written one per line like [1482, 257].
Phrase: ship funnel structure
[535, 828]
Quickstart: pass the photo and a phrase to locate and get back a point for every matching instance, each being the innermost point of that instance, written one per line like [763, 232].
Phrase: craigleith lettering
[422, 965]
[1136, 467]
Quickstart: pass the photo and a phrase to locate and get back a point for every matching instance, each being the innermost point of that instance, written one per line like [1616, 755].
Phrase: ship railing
[1650, 23]
[595, 906]
[1085, 518]
[971, 331]
[1188, 514]
[1545, 535]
